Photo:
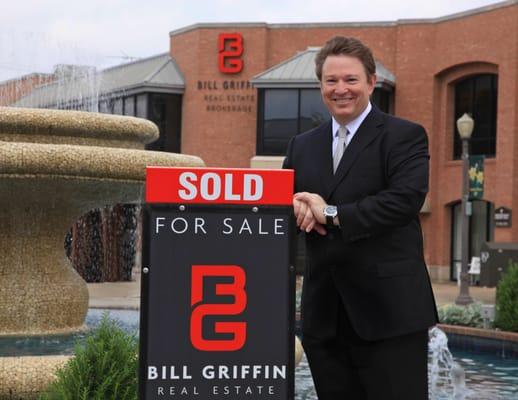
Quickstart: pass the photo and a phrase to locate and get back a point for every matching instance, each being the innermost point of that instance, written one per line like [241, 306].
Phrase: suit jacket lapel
[323, 155]
[369, 129]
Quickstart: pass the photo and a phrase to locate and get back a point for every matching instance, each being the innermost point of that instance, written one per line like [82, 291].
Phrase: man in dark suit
[361, 180]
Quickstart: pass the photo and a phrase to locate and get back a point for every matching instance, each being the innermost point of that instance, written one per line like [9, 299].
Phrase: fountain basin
[28, 377]
[38, 357]
[55, 172]
[74, 127]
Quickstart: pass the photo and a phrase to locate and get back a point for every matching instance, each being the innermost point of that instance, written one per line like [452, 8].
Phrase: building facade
[14, 89]
[241, 90]
[443, 67]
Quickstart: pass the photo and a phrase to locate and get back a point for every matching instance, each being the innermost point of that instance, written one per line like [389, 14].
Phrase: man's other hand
[306, 218]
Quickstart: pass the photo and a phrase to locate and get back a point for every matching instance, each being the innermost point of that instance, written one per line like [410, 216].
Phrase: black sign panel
[217, 310]
[503, 217]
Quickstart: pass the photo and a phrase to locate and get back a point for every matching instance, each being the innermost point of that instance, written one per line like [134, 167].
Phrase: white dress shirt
[352, 127]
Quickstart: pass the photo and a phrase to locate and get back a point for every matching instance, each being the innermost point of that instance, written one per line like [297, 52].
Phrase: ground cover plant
[104, 367]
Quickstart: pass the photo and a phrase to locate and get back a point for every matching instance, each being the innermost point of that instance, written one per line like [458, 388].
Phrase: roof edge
[139, 88]
[27, 76]
[461, 14]
[141, 59]
[172, 61]
[356, 24]
[204, 25]
[157, 70]
[278, 84]
[303, 84]
[298, 54]
[124, 91]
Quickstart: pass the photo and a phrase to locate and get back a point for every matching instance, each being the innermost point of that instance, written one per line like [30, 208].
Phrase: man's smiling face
[345, 87]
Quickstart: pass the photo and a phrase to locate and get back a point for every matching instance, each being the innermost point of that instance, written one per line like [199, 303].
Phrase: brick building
[467, 62]
[246, 88]
[14, 89]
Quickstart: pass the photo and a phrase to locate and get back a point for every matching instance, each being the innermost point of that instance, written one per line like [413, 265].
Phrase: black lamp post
[465, 126]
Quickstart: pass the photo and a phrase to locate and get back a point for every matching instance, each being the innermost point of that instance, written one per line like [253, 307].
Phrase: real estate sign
[217, 312]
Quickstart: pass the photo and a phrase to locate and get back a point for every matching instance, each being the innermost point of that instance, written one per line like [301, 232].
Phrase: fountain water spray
[446, 378]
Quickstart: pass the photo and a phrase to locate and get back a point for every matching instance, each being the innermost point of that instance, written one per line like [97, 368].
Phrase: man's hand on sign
[305, 215]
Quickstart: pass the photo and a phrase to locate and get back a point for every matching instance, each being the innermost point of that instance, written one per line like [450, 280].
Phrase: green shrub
[506, 317]
[470, 315]
[105, 367]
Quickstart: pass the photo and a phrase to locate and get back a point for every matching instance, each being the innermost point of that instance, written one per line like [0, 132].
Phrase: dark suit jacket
[374, 263]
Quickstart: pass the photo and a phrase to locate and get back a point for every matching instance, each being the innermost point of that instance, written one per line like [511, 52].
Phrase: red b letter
[236, 289]
[229, 60]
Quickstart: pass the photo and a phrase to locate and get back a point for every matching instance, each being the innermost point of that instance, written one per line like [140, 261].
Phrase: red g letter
[230, 49]
[236, 289]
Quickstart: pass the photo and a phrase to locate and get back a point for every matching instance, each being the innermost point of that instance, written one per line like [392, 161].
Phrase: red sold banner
[219, 186]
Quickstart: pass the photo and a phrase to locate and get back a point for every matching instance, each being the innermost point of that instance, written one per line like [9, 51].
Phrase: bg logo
[230, 49]
[200, 310]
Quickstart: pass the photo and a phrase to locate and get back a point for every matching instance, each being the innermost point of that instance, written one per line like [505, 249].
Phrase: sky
[35, 35]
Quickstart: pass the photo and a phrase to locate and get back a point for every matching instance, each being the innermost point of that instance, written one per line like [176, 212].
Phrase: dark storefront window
[477, 96]
[165, 111]
[280, 119]
[141, 110]
[383, 99]
[313, 112]
[284, 113]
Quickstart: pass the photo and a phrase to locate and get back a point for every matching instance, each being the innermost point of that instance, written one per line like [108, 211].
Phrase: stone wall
[27, 377]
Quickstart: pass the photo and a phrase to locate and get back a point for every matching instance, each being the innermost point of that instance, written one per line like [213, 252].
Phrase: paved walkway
[127, 294]
[448, 292]
[115, 295]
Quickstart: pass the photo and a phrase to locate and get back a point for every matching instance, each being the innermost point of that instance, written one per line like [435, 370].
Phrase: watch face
[330, 211]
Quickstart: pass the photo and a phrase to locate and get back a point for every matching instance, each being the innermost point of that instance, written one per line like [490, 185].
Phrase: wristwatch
[330, 212]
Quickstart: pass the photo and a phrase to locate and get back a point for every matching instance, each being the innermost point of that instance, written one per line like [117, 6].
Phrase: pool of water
[54, 345]
[488, 377]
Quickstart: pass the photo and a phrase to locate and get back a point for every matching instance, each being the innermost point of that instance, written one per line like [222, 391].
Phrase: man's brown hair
[348, 46]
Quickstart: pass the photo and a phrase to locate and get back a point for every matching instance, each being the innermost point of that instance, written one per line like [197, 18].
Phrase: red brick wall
[12, 90]
[222, 139]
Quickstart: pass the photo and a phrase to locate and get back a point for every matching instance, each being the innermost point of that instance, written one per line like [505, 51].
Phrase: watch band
[329, 220]
[330, 212]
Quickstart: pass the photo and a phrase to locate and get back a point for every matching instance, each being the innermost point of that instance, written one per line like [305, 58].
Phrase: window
[117, 106]
[129, 106]
[312, 110]
[284, 113]
[477, 96]
[165, 111]
[141, 106]
[383, 99]
[104, 107]
[280, 119]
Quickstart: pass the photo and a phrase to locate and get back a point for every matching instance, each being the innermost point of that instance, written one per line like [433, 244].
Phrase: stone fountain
[55, 166]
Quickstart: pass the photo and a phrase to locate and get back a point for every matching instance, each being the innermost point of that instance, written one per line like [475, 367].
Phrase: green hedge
[105, 367]
[506, 317]
[470, 315]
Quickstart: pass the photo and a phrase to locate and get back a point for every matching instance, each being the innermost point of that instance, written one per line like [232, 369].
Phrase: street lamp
[465, 127]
